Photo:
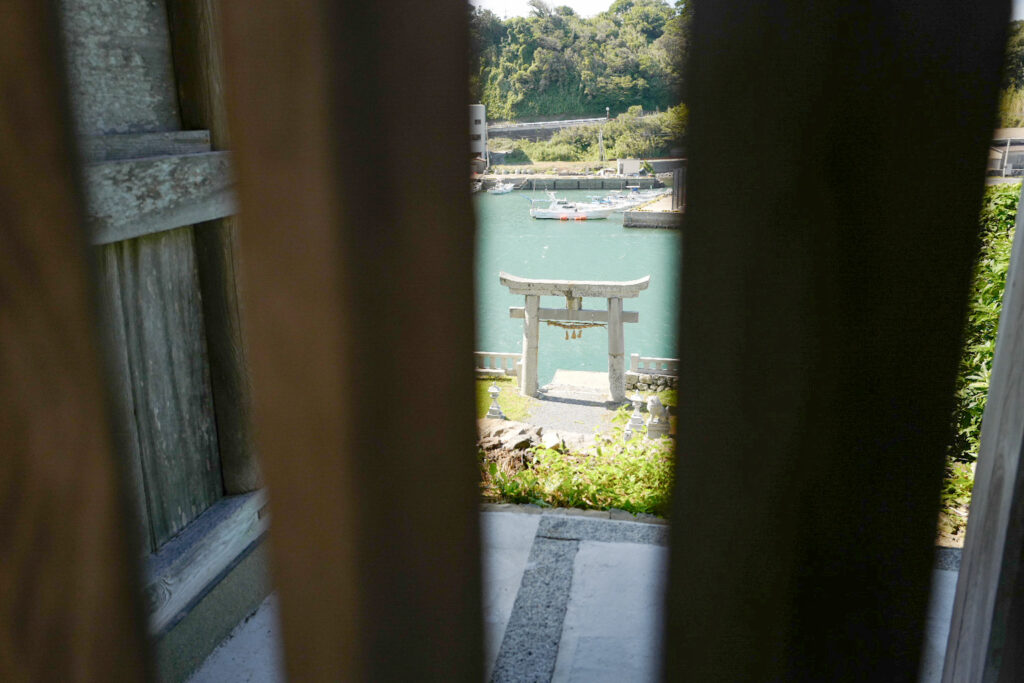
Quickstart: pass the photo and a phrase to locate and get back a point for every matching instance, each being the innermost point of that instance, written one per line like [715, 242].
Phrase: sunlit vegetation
[555, 63]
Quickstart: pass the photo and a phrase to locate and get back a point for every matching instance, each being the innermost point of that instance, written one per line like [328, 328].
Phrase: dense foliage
[1011, 105]
[634, 475]
[630, 135]
[998, 214]
[555, 63]
[997, 227]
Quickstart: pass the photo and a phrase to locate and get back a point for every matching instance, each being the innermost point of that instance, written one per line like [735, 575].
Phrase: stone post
[531, 336]
[636, 420]
[616, 351]
[494, 411]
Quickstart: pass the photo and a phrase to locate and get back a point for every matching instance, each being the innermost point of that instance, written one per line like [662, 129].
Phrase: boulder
[512, 436]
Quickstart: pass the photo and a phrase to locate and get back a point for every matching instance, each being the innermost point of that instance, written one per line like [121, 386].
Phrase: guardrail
[567, 123]
[496, 363]
[653, 366]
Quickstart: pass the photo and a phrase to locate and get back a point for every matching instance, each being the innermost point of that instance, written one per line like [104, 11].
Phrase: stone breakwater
[636, 381]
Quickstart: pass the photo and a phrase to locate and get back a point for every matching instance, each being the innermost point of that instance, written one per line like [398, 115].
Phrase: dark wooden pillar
[821, 313]
[359, 291]
[69, 605]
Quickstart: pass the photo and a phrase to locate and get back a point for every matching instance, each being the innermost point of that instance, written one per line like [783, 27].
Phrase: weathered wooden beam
[188, 565]
[198, 69]
[135, 197]
[69, 601]
[114, 343]
[822, 309]
[330, 308]
[564, 314]
[171, 398]
[574, 288]
[96, 148]
[983, 636]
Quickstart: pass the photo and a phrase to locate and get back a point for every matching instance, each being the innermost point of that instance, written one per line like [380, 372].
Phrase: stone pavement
[569, 596]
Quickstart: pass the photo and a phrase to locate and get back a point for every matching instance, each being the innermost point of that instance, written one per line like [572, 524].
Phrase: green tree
[555, 63]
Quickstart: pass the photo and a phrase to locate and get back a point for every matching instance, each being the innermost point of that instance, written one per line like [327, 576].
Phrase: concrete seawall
[652, 219]
[654, 214]
[571, 182]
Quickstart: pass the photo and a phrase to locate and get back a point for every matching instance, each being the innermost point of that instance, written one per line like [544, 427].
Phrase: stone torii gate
[574, 291]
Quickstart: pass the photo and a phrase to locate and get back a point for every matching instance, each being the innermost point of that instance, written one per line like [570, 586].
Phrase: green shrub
[997, 227]
[998, 213]
[636, 476]
[517, 156]
[629, 135]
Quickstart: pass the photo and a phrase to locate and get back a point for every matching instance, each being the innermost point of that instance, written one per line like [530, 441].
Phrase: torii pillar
[574, 291]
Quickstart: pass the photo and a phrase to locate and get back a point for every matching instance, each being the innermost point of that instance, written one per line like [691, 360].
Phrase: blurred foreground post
[69, 601]
[822, 308]
[359, 277]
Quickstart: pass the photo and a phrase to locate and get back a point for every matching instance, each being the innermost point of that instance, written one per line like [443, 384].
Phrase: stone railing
[495, 363]
[650, 365]
[647, 373]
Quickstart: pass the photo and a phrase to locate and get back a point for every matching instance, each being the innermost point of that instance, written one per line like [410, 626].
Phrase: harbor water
[509, 240]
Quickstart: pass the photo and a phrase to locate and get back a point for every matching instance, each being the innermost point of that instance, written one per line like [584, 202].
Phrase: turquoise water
[509, 240]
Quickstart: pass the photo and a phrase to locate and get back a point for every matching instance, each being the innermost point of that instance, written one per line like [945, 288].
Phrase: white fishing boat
[564, 210]
[624, 201]
[618, 202]
[502, 188]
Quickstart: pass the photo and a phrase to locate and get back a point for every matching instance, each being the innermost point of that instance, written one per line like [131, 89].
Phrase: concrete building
[478, 133]
[1006, 156]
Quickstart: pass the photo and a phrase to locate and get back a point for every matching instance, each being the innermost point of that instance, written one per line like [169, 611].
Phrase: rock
[641, 386]
[646, 379]
[523, 438]
[518, 442]
[489, 443]
[513, 436]
[552, 439]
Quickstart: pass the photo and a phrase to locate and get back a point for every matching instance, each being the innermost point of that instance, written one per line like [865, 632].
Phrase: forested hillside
[1011, 106]
[555, 63]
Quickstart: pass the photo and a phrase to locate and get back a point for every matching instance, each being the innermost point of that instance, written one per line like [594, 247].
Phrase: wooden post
[986, 634]
[70, 608]
[531, 343]
[821, 313]
[195, 36]
[616, 351]
[340, 266]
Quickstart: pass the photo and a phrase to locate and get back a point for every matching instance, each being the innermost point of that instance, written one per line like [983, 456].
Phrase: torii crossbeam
[574, 291]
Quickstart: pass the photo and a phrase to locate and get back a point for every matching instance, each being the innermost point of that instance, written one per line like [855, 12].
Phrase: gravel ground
[572, 409]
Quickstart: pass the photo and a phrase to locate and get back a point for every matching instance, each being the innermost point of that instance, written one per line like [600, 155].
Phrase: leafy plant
[632, 134]
[999, 211]
[997, 229]
[636, 476]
